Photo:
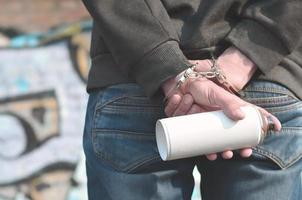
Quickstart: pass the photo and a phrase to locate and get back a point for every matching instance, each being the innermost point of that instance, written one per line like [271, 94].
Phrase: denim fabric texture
[123, 162]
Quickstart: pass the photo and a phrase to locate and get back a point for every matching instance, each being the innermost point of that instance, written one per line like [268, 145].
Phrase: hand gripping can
[209, 132]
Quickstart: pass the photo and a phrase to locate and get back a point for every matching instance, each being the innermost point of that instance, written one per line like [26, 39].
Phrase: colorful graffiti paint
[42, 106]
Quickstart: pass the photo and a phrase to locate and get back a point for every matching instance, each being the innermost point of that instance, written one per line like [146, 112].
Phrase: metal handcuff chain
[214, 72]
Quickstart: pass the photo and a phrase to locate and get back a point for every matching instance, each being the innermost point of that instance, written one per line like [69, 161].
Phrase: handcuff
[215, 74]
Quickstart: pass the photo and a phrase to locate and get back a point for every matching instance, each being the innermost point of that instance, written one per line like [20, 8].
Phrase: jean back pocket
[124, 125]
[285, 147]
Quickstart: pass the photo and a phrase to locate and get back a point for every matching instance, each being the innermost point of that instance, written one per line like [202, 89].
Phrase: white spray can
[209, 132]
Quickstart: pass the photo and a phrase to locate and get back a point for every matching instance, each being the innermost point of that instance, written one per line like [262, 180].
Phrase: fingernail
[212, 157]
[271, 124]
[228, 155]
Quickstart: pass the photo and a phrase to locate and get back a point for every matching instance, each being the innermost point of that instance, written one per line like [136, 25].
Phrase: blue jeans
[122, 159]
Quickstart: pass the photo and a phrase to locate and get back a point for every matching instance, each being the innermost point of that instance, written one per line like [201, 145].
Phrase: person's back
[139, 50]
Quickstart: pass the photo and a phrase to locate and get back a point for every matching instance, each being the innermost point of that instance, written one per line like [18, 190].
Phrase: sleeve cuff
[164, 62]
[257, 43]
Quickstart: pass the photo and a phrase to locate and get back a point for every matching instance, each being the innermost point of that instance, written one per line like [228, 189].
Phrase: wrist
[238, 68]
[168, 85]
[173, 83]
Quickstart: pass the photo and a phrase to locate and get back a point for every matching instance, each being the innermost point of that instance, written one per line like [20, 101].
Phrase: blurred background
[44, 62]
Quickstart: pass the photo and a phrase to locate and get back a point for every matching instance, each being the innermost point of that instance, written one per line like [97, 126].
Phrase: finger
[245, 153]
[274, 119]
[172, 104]
[212, 156]
[277, 123]
[229, 103]
[227, 155]
[197, 109]
[194, 109]
[184, 106]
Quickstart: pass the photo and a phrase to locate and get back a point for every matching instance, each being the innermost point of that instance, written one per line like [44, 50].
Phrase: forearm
[237, 67]
[141, 39]
[267, 31]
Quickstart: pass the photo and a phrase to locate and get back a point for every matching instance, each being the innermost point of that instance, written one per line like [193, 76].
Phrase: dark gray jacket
[149, 41]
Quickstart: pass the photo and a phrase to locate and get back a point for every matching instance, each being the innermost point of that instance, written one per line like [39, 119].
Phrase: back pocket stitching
[291, 103]
[279, 90]
[276, 159]
[126, 109]
[107, 106]
[269, 100]
[135, 163]
[286, 108]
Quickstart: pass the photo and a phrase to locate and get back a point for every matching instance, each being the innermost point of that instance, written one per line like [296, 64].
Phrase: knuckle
[174, 101]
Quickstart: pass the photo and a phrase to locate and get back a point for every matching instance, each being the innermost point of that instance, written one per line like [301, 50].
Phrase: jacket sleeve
[268, 30]
[141, 39]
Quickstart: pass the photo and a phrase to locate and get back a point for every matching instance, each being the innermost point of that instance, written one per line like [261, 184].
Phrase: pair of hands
[203, 95]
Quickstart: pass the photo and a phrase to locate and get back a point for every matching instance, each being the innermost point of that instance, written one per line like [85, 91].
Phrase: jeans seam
[102, 105]
[278, 108]
[95, 113]
[95, 116]
[270, 89]
[126, 109]
[131, 169]
[267, 100]
[148, 134]
[140, 162]
[286, 108]
[276, 159]
[271, 156]
[128, 101]
[136, 163]
[288, 128]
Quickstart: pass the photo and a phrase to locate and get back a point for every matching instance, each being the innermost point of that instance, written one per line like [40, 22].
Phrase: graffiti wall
[42, 108]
